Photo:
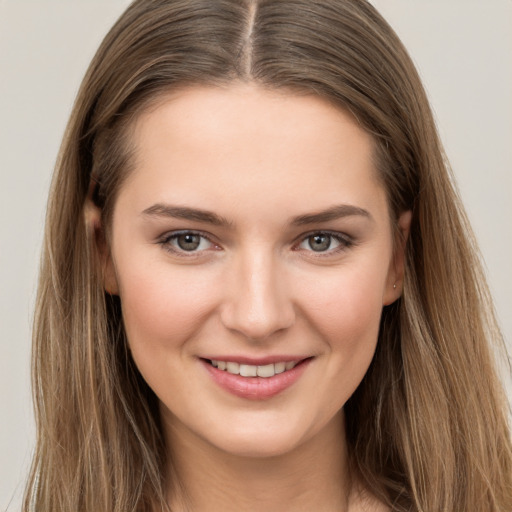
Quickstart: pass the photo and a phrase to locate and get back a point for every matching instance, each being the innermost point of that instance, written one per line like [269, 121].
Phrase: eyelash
[345, 242]
[166, 240]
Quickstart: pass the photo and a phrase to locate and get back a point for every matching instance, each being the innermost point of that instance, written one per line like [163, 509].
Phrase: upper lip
[257, 361]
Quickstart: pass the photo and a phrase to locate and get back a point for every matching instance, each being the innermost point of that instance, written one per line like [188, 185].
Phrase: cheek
[164, 311]
[162, 307]
[345, 306]
[342, 300]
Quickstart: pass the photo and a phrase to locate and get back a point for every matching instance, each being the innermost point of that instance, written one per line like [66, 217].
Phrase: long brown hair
[427, 428]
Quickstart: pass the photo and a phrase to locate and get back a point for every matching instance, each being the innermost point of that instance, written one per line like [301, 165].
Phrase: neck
[313, 476]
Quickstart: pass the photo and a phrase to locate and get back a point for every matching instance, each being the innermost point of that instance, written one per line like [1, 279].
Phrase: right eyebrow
[183, 212]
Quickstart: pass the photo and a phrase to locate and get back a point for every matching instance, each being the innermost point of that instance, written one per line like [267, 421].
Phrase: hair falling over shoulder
[428, 426]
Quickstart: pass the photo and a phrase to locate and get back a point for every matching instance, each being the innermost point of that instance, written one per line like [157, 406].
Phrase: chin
[272, 435]
[261, 445]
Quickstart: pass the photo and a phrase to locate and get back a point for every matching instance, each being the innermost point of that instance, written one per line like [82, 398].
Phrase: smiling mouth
[249, 370]
[256, 381]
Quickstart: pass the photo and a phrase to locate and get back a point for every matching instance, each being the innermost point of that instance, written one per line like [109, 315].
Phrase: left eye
[187, 242]
[322, 242]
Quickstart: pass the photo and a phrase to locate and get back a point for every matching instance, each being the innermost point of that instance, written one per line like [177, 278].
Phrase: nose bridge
[259, 302]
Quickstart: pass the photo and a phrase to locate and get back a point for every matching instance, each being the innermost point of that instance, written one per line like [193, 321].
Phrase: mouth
[249, 370]
[256, 381]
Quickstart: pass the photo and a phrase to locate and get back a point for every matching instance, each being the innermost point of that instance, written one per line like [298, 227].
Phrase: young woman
[259, 290]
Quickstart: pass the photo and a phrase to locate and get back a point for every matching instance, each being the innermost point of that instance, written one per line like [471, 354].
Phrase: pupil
[189, 242]
[319, 242]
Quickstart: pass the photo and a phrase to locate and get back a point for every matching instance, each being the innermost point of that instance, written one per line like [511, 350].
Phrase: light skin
[253, 225]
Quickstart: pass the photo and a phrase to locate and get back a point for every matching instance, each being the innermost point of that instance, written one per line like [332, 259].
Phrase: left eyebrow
[180, 212]
[333, 213]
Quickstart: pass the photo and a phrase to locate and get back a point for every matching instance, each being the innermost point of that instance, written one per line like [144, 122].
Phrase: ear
[94, 224]
[395, 277]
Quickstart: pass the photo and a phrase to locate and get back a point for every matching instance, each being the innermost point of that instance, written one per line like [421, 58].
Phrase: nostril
[258, 322]
[257, 303]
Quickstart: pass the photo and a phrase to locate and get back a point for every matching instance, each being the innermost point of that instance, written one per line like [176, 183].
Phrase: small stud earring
[394, 286]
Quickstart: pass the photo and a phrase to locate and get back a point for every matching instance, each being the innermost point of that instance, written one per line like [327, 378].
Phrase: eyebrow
[183, 212]
[333, 213]
[208, 217]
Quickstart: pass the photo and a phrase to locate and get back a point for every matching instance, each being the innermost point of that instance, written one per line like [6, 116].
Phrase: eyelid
[165, 239]
[345, 241]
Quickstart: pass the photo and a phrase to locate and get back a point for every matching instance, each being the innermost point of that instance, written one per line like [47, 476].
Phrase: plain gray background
[463, 49]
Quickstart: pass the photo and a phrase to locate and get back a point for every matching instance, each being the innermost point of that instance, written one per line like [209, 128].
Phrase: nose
[258, 302]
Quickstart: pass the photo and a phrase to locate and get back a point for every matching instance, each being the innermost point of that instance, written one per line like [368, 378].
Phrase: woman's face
[253, 233]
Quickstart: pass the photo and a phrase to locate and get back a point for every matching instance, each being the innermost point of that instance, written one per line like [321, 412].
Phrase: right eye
[186, 242]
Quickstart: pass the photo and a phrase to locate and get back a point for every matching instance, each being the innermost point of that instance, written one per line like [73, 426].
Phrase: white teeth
[280, 367]
[266, 371]
[249, 370]
[233, 368]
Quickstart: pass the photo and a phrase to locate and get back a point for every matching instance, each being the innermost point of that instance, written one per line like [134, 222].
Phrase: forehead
[243, 142]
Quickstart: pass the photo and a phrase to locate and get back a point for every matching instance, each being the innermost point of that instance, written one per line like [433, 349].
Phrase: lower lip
[256, 388]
